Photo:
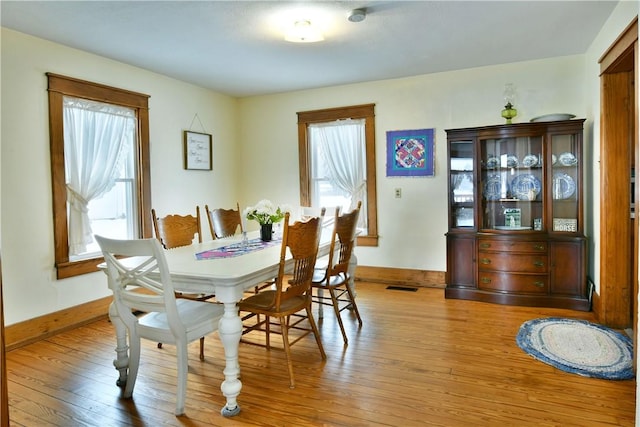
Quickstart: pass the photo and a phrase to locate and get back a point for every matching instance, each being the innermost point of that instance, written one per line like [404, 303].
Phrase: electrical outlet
[398, 193]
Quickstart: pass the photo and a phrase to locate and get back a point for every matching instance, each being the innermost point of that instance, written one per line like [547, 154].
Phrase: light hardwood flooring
[419, 360]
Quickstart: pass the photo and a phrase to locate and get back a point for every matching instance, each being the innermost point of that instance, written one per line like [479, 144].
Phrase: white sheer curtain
[342, 146]
[96, 138]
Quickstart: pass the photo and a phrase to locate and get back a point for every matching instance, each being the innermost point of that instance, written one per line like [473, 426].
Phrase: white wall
[412, 228]
[29, 285]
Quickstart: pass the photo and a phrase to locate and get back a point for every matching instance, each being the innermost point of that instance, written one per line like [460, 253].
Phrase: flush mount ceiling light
[303, 31]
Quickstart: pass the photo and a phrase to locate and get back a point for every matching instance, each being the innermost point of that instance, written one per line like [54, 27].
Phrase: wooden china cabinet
[516, 215]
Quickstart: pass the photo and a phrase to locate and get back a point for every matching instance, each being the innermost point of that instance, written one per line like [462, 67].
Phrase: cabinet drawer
[512, 246]
[504, 261]
[521, 283]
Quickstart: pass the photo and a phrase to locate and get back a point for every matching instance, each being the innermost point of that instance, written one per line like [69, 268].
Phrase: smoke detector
[357, 15]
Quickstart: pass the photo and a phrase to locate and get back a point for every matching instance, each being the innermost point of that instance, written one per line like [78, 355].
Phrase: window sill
[76, 268]
[367, 240]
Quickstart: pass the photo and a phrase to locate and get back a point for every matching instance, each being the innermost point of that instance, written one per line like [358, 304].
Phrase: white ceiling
[237, 47]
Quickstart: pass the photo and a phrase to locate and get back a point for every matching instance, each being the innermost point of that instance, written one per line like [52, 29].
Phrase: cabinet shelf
[524, 250]
[508, 169]
[511, 201]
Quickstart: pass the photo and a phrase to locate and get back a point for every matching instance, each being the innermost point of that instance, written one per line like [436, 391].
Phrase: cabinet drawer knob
[485, 245]
[538, 284]
[485, 261]
[485, 280]
[538, 247]
[538, 263]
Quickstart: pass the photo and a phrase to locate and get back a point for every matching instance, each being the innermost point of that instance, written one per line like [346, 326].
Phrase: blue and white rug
[579, 347]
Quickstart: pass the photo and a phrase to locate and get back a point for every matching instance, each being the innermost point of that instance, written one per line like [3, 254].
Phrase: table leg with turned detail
[230, 331]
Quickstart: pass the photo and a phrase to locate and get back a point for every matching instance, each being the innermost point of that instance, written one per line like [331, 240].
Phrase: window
[99, 173]
[317, 131]
[106, 131]
[338, 165]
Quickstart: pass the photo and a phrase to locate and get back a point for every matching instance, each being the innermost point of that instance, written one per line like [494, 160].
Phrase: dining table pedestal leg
[230, 331]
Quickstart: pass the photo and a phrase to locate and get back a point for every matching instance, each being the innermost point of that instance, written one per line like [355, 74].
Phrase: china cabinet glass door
[564, 182]
[462, 184]
[511, 182]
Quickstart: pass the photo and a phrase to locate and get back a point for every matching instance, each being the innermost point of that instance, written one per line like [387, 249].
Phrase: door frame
[618, 145]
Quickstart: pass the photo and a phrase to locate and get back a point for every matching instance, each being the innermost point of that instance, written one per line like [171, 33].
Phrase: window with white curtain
[99, 145]
[337, 160]
[338, 165]
[100, 174]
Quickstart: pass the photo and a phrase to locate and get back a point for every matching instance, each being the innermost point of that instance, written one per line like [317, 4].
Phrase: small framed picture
[198, 150]
[512, 217]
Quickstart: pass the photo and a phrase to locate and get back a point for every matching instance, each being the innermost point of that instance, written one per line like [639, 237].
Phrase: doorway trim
[616, 303]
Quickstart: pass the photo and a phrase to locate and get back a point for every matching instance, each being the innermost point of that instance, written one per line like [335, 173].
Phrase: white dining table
[228, 278]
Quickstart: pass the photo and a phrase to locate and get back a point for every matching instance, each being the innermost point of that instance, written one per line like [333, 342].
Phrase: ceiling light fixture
[303, 32]
[357, 15]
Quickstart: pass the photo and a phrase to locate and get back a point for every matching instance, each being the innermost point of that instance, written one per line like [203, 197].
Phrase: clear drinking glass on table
[277, 230]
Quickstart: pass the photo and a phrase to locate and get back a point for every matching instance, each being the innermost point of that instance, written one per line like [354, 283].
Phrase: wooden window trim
[365, 111]
[58, 87]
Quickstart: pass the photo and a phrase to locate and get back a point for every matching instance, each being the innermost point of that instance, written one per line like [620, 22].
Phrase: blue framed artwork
[410, 153]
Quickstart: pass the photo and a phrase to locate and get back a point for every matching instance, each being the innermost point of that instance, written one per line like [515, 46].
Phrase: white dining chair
[141, 283]
[174, 231]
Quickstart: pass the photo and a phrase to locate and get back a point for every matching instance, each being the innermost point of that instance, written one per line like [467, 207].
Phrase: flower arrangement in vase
[266, 214]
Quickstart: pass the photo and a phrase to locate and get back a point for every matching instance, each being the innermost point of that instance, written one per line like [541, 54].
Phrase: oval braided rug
[579, 347]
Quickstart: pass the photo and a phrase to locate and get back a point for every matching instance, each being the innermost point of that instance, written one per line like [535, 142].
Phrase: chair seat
[320, 279]
[194, 315]
[262, 302]
[195, 297]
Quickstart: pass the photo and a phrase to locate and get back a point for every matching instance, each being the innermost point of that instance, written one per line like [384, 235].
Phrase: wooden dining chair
[165, 318]
[335, 278]
[180, 230]
[224, 222]
[292, 292]
[177, 230]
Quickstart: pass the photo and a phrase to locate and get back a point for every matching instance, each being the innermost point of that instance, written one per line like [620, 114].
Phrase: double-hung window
[99, 167]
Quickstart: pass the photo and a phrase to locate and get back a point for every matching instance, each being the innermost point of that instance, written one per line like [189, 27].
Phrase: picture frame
[198, 150]
[410, 153]
[512, 217]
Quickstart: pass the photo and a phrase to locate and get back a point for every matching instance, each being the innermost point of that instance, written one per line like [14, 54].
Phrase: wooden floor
[418, 360]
